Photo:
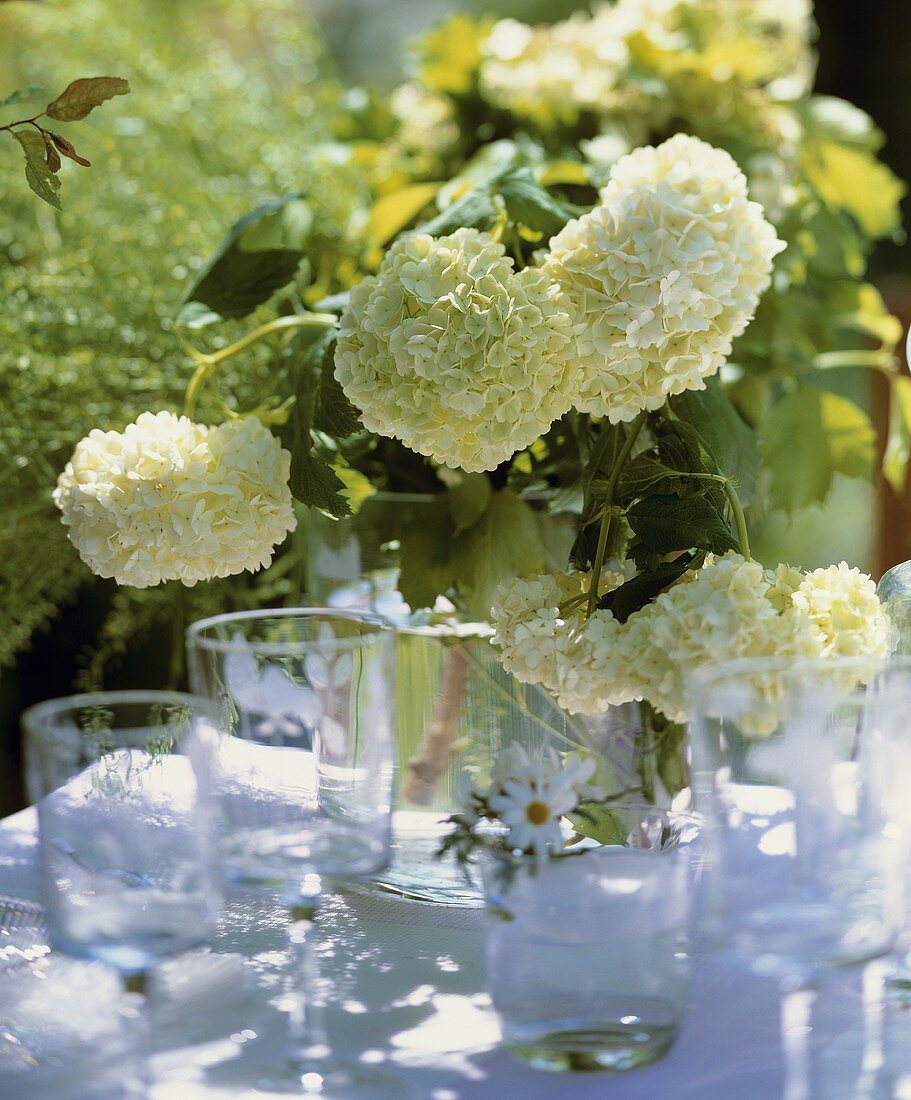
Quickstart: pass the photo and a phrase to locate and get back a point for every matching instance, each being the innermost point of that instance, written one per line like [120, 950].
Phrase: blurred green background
[226, 97]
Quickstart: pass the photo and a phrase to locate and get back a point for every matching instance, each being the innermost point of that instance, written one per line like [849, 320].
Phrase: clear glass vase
[457, 706]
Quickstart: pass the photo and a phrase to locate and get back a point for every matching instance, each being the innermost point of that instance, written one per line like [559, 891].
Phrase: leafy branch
[43, 147]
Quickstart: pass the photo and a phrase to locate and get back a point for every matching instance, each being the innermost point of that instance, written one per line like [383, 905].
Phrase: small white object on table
[409, 994]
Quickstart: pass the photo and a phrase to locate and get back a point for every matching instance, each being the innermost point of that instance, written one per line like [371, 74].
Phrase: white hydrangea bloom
[763, 42]
[451, 351]
[426, 120]
[578, 660]
[661, 276]
[168, 499]
[549, 74]
[847, 616]
[723, 611]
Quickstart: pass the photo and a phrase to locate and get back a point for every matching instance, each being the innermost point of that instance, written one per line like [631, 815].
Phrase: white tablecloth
[408, 992]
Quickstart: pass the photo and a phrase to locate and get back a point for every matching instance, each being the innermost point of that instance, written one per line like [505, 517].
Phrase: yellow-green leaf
[40, 178]
[898, 446]
[852, 179]
[806, 438]
[84, 95]
[391, 213]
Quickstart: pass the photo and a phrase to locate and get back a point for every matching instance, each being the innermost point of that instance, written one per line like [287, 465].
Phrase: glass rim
[33, 716]
[196, 636]
[740, 666]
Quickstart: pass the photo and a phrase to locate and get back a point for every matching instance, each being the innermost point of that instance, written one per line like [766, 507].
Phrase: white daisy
[530, 795]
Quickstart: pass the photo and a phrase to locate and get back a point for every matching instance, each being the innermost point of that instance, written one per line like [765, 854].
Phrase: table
[409, 995]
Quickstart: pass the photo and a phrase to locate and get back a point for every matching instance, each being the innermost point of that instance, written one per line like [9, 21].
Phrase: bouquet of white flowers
[601, 261]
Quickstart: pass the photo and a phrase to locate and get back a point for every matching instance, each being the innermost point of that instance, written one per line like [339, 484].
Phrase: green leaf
[468, 500]
[670, 755]
[313, 480]
[40, 178]
[898, 446]
[426, 554]
[669, 523]
[808, 436]
[391, 213]
[731, 443]
[642, 589]
[84, 95]
[333, 414]
[850, 178]
[600, 822]
[475, 210]
[240, 275]
[505, 542]
[642, 473]
[529, 204]
[26, 95]
[836, 118]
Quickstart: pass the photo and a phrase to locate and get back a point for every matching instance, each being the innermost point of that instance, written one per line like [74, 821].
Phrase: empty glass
[304, 785]
[802, 871]
[126, 853]
[587, 953]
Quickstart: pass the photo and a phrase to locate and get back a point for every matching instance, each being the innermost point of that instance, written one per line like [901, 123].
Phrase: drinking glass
[802, 860]
[304, 786]
[587, 953]
[127, 863]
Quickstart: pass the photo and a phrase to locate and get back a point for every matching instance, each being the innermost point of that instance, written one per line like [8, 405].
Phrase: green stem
[606, 522]
[202, 372]
[739, 519]
[206, 364]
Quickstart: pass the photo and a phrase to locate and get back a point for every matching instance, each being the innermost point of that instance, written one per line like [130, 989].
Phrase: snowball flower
[550, 74]
[168, 499]
[530, 795]
[721, 612]
[453, 352]
[661, 276]
[847, 616]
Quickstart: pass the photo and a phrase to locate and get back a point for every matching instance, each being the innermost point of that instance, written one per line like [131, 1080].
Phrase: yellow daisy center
[537, 812]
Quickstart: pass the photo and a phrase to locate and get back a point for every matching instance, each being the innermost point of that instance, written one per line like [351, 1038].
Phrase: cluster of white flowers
[550, 74]
[531, 794]
[730, 607]
[169, 499]
[427, 124]
[755, 41]
[451, 351]
[661, 276]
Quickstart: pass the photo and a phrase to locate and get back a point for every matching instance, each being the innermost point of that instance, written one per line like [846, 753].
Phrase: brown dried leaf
[68, 150]
[83, 95]
[51, 156]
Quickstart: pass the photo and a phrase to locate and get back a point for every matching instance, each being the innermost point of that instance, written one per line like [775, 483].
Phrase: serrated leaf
[313, 480]
[474, 210]
[40, 178]
[666, 524]
[529, 204]
[239, 277]
[82, 96]
[808, 436]
[468, 500]
[634, 594]
[391, 213]
[642, 473]
[334, 414]
[601, 822]
[731, 443]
